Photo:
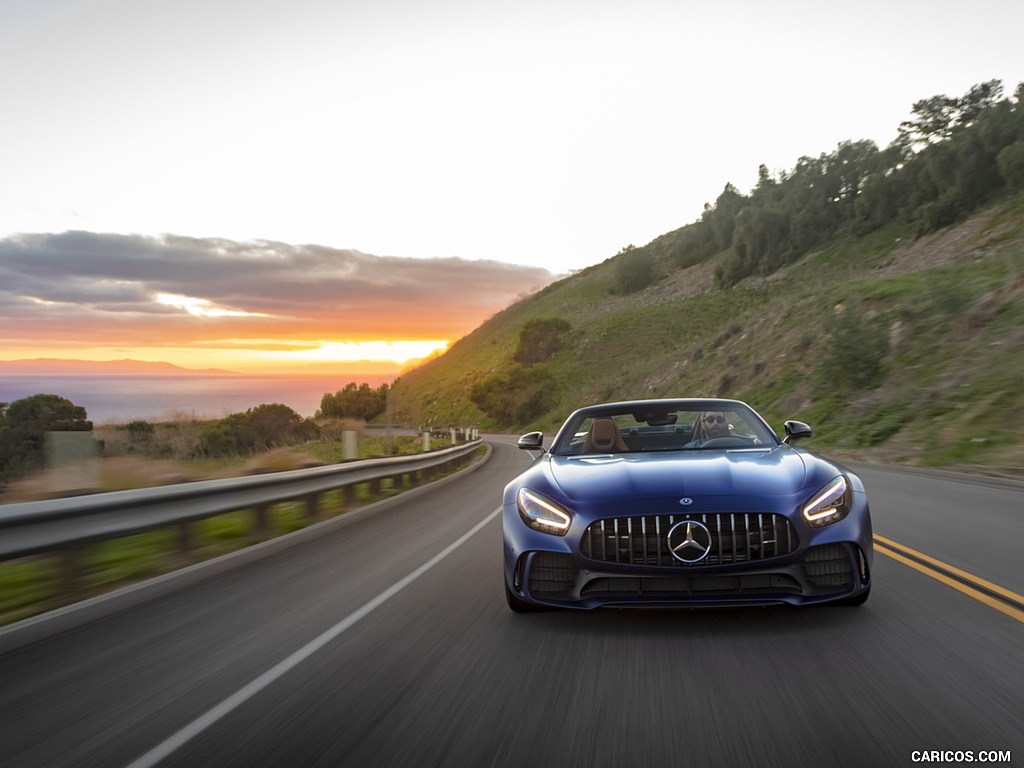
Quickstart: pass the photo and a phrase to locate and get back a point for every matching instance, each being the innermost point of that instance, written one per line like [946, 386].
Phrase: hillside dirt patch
[974, 239]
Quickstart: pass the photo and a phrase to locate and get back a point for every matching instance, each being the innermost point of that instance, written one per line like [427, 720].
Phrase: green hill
[882, 307]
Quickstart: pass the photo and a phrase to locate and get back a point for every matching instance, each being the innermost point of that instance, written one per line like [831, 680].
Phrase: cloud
[105, 288]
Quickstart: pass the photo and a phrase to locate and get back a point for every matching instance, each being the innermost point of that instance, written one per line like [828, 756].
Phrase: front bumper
[818, 566]
[823, 574]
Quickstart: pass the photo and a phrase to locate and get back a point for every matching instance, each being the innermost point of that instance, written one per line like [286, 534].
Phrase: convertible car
[691, 502]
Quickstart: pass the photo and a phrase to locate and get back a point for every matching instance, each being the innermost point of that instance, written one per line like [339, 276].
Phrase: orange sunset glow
[246, 307]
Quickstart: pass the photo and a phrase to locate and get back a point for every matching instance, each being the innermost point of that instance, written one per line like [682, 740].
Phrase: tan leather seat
[604, 437]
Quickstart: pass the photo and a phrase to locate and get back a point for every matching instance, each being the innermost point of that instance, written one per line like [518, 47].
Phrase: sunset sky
[252, 184]
[247, 307]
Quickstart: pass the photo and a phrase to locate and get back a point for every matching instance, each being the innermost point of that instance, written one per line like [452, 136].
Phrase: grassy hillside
[894, 347]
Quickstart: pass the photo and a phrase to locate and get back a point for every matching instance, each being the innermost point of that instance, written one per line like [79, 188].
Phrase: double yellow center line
[992, 595]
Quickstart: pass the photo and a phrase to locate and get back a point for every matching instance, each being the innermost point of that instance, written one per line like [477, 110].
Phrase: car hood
[778, 471]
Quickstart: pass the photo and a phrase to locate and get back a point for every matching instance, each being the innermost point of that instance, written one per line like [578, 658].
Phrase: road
[387, 642]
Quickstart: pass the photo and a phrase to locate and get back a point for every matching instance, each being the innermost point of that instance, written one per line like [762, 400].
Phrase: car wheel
[519, 605]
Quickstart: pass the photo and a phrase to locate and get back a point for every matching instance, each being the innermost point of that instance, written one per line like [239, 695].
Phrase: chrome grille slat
[736, 538]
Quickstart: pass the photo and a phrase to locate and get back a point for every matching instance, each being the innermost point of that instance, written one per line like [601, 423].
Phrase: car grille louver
[739, 537]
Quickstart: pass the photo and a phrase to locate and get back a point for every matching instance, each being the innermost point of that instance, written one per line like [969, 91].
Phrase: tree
[977, 100]
[938, 117]
[1011, 165]
[355, 402]
[23, 427]
[933, 122]
[722, 216]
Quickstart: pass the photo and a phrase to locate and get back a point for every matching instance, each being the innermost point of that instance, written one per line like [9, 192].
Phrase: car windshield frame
[658, 426]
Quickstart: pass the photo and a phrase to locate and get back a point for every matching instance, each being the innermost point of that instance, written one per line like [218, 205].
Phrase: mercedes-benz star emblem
[686, 501]
[689, 541]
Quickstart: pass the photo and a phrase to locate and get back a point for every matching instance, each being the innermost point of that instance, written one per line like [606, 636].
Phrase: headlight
[542, 514]
[830, 504]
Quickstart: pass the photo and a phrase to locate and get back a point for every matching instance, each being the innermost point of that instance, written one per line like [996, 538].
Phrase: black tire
[519, 605]
[855, 600]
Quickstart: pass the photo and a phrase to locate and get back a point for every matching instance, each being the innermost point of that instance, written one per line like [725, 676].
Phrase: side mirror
[532, 441]
[796, 430]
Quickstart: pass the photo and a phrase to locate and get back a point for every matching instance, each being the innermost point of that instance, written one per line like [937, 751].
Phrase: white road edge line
[232, 702]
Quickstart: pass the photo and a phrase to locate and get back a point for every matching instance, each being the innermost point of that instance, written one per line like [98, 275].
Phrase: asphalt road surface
[387, 642]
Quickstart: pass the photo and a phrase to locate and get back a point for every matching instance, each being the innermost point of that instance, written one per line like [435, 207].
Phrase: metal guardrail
[67, 525]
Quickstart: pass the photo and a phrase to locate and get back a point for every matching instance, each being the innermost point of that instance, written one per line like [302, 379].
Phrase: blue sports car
[691, 502]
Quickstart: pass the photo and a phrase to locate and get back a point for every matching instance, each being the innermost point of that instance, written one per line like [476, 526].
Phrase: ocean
[167, 398]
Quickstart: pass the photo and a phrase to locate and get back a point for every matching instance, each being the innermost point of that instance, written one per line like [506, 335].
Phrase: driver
[710, 424]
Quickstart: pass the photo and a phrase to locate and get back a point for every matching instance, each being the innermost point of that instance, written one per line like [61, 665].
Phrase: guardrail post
[185, 538]
[349, 445]
[261, 521]
[349, 496]
[313, 507]
[375, 487]
[70, 561]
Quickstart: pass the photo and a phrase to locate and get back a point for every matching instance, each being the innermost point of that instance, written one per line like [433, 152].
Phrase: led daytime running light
[542, 514]
[828, 503]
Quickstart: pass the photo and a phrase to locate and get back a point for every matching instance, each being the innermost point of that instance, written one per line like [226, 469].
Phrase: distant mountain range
[61, 367]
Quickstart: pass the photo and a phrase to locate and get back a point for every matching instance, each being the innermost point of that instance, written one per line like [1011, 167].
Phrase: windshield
[644, 428]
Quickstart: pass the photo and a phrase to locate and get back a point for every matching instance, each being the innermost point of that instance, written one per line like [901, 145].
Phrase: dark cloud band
[101, 282]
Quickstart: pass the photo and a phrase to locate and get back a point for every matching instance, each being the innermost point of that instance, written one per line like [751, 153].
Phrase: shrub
[856, 353]
[519, 397]
[634, 270]
[139, 431]
[259, 428]
[540, 340]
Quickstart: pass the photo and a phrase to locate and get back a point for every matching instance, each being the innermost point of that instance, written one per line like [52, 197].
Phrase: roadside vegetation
[268, 437]
[143, 454]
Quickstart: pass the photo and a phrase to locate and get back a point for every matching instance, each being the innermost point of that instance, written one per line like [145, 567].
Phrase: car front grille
[735, 538]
